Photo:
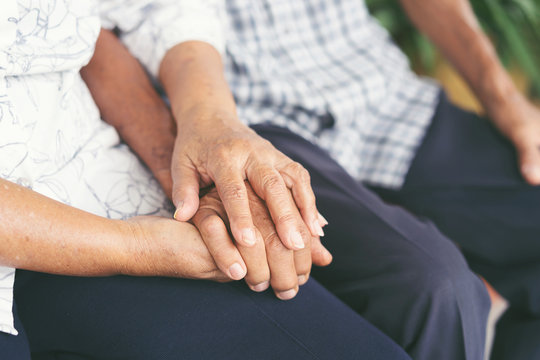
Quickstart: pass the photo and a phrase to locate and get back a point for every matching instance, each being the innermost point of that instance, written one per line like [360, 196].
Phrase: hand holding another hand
[213, 147]
[268, 262]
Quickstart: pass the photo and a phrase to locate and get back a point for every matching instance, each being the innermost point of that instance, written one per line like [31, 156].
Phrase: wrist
[209, 119]
[497, 90]
[129, 259]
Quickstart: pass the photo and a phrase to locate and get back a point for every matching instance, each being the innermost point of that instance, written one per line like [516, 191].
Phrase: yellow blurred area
[460, 93]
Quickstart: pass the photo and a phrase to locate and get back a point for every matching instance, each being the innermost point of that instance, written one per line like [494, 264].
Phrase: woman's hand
[165, 247]
[266, 263]
[213, 149]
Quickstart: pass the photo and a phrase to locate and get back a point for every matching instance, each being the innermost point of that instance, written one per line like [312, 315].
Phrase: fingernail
[236, 271]
[302, 279]
[248, 236]
[179, 207]
[286, 295]
[297, 240]
[260, 287]
[317, 228]
[322, 220]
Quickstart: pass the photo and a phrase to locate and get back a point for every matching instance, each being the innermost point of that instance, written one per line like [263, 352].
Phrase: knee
[442, 275]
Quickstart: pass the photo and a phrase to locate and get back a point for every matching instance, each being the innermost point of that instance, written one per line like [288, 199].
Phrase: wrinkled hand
[226, 153]
[167, 247]
[268, 262]
[519, 120]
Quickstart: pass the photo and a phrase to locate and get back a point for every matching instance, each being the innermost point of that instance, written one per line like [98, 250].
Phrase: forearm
[128, 101]
[452, 26]
[192, 74]
[41, 234]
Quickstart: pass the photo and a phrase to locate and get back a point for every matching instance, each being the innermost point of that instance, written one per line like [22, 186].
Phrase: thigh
[466, 180]
[390, 266]
[162, 318]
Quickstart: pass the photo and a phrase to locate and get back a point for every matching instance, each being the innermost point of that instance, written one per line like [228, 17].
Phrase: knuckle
[284, 281]
[273, 243]
[304, 176]
[234, 192]
[285, 218]
[211, 224]
[271, 182]
[259, 276]
[221, 153]
[299, 171]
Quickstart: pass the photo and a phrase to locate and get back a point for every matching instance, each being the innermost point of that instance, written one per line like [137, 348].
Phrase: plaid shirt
[327, 71]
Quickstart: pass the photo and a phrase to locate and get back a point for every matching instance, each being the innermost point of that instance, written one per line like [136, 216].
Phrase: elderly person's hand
[266, 263]
[214, 147]
[519, 120]
[226, 155]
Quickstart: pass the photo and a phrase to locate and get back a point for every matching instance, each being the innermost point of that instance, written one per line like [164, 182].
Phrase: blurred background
[512, 25]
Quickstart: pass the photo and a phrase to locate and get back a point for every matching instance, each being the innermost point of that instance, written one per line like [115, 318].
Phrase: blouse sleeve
[149, 28]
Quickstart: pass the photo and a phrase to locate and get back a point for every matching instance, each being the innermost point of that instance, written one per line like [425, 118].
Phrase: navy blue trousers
[465, 178]
[161, 318]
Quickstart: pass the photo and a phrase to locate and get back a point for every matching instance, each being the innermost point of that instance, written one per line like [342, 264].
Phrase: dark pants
[466, 180]
[160, 318]
[396, 270]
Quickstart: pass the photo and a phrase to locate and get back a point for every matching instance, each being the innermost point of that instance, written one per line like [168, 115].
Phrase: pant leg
[397, 271]
[15, 347]
[465, 178]
[69, 318]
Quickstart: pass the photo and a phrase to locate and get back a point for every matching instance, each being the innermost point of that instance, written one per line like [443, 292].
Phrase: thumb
[185, 192]
[529, 159]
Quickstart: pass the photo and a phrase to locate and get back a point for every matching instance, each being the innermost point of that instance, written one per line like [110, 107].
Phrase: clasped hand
[259, 221]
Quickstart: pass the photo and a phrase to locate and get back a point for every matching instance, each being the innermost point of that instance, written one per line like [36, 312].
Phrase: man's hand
[128, 101]
[213, 146]
[519, 120]
[266, 263]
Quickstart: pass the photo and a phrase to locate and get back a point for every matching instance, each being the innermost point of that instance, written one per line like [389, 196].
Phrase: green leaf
[514, 41]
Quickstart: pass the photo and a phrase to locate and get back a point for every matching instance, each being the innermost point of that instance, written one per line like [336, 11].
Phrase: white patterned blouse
[52, 139]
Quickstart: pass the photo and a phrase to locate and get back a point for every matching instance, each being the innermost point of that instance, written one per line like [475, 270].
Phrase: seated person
[326, 71]
[78, 206]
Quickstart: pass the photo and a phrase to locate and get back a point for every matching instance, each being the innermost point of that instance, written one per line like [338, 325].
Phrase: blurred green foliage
[513, 25]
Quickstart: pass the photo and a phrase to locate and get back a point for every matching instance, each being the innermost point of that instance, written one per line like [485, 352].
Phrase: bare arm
[452, 26]
[40, 234]
[33, 238]
[128, 101]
